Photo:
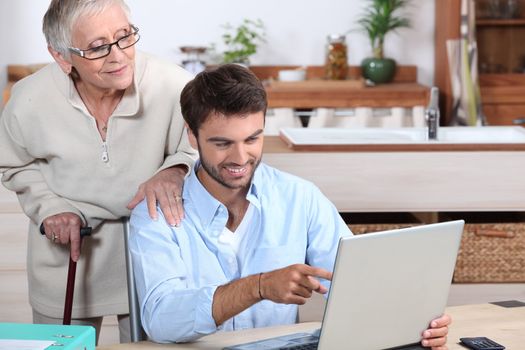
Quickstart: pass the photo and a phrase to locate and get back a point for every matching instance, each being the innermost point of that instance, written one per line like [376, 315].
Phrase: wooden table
[504, 325]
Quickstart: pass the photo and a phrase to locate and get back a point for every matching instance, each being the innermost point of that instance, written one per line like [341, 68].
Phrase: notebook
[46, 336]
[386, 288]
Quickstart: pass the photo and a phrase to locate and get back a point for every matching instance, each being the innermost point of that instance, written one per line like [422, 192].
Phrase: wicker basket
[491, 253]
[358, 229]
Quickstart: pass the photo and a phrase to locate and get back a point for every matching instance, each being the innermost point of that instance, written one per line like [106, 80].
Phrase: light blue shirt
[178, 269]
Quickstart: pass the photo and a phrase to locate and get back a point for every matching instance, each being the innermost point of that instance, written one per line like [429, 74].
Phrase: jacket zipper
[105, 155]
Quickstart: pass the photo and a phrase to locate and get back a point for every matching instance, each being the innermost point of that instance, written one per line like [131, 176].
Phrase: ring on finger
[178, 198]
[53, 237]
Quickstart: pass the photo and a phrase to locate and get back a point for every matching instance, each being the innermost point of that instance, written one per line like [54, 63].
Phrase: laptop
[387, 286]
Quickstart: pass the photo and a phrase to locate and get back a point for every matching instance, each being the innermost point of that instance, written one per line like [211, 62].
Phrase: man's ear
[191, 137]
[62, 62]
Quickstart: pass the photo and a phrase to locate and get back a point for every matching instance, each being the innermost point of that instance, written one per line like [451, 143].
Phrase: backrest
[136, 331]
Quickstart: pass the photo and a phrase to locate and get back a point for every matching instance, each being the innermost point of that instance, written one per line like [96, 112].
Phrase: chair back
[136, 331]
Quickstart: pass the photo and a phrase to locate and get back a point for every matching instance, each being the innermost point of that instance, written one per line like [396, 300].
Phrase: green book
[65, 337]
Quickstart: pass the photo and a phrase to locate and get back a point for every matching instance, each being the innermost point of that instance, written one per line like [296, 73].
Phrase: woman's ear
[62, 62]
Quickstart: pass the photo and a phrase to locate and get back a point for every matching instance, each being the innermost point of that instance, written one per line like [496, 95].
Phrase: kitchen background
[296, 33]
[296, 30]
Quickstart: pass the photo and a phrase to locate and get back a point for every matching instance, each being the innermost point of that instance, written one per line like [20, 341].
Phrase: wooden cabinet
[500, 34]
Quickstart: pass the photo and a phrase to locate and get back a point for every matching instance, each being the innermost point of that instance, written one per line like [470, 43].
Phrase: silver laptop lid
[388, 286]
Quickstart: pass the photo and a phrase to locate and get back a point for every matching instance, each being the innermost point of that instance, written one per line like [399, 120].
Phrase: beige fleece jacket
[52, 155]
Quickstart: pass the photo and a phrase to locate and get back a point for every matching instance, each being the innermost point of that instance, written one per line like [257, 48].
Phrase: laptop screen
[388, 286]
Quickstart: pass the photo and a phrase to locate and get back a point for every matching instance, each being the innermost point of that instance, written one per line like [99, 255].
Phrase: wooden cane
[71, 272]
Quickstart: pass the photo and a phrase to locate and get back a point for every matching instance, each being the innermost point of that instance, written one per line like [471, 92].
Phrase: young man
[255, 242]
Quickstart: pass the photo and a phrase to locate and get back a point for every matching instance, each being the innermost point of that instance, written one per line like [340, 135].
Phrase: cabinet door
[500, 27]
[500, 46]
[503, 114]
[500, 34]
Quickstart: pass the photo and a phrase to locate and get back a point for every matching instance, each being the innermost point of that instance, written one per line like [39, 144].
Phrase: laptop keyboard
[310, 346]
[296, 341]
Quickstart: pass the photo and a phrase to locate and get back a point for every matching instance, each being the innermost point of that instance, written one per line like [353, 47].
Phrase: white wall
[296, 30]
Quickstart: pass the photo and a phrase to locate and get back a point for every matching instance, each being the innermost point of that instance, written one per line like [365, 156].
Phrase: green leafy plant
[242, 41]
[380, 18]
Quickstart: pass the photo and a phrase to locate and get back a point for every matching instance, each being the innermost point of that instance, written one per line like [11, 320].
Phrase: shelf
[404, 91]
[381, 96]
[496, 22]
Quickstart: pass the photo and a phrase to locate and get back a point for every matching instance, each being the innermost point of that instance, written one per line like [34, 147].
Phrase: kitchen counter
[409, 181]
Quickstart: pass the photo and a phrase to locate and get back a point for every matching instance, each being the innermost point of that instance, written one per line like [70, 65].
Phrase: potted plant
[242, 41]
[380, 18]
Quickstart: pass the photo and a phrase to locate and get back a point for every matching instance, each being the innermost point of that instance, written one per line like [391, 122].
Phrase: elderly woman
[82, 141]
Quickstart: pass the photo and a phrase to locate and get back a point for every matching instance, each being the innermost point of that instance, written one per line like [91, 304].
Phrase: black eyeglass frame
[82, 53]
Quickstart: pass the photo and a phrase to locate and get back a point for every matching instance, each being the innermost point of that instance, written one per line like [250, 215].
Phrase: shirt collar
[257, 182]
[205, 205]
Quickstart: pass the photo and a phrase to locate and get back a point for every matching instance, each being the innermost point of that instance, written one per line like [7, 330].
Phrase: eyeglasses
[104, 50]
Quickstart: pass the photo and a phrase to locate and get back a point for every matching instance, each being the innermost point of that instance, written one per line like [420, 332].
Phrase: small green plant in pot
[380, 18]
[242, 41]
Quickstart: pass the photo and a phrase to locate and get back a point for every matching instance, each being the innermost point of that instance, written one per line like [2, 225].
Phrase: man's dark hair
[229, 90]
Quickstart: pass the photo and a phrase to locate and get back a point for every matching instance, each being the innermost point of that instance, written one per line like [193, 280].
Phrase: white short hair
[62, 15]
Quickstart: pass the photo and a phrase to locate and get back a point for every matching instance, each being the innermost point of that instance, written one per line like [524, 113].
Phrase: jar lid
[336, 37]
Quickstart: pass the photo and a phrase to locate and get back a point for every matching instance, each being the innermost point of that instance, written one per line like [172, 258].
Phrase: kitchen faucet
[432, 114]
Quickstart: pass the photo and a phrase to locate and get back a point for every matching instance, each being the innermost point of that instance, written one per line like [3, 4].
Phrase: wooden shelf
[381, 96]
[496, 22]
[404, 91]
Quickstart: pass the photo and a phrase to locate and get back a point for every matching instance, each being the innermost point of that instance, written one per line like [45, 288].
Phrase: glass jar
[336, 65]
[510, 9]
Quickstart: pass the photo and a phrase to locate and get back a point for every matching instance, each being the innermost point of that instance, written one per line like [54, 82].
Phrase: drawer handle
[494, 233]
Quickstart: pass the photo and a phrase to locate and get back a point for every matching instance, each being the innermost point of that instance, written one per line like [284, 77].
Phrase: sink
[403, 136]
[486, 138]
[487, 134]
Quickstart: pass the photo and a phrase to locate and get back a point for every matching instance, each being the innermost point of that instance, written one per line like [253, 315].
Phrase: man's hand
[64, 228]
[436, 335]
[165, 187]
[293, 284]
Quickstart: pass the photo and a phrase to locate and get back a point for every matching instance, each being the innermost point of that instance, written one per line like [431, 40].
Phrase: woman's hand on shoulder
[64, 228]
[165, 187]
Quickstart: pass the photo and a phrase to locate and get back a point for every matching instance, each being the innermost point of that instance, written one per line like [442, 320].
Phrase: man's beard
[214, 172]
